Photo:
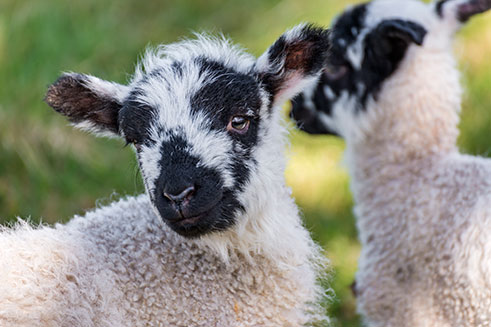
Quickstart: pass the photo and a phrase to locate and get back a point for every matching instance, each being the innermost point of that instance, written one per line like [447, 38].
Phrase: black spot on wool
[215, 204]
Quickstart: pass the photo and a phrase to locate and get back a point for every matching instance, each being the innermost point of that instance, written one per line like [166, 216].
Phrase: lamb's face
[198, 114]
[195, 128]
[370, 42]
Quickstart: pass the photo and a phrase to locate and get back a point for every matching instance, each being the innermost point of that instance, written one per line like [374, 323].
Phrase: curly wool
[217, 239]
[423, 211]
[423, 208]
[121, 266]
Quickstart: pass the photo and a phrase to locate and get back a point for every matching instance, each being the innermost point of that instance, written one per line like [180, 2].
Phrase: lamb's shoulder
[52, 277]
[172, 280]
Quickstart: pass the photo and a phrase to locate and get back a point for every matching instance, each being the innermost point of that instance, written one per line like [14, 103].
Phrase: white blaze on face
[171, 99]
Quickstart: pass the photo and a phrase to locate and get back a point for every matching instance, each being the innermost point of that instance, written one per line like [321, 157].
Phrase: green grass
[49, 171]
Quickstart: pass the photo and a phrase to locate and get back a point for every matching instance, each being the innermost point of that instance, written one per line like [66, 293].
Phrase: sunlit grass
[316, 173]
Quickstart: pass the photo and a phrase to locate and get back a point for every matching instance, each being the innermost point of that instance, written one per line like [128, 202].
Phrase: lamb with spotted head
[391, 90]
[216, 240]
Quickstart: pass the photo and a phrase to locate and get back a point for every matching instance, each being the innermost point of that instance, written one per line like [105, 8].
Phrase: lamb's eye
[335, 72]
[238, 124]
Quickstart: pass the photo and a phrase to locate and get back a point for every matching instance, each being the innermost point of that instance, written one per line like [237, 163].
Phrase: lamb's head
[203, 118]
[385, 53]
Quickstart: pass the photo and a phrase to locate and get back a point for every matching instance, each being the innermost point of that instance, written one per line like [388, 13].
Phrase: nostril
[180, 196]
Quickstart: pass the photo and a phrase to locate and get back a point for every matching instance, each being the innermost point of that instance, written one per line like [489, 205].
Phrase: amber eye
[238, 124]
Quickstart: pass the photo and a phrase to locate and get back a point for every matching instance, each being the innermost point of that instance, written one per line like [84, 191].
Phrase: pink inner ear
[294, 83]
[298, 54]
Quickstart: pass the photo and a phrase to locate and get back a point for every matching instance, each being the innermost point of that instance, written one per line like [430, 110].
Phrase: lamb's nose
[179, 196]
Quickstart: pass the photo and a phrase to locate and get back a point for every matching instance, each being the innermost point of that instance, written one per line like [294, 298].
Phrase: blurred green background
[49, 171]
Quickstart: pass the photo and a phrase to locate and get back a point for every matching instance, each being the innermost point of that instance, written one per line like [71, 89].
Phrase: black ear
[405, 31]
[293, 61]
[387, 43]
[473, 7]
[88, 102]
[464, 10]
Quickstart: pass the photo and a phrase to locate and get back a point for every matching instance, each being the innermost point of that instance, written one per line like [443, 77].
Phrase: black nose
[181, 195]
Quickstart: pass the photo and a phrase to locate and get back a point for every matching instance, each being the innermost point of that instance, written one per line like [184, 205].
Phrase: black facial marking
[71, 97]
[338, 76]
[439, 7]
[210, 207]
[307, 118]
[135, 119]
[342, 31]
[384, 47]
[231, 94]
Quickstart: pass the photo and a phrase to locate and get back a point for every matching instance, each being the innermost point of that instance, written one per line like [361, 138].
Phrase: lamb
[216, 240]
[391, 90]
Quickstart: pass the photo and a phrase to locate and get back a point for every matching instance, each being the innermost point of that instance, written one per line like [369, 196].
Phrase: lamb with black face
[201, 117]
[367, 47]
[190, 196]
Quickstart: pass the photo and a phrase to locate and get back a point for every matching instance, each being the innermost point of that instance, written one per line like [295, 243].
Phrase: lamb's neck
[271, 229]
[271, 226]
[388, 156]
[416, 113]
[413, 122]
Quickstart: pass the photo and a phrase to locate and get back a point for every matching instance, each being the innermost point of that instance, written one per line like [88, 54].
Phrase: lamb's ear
[391, 38]
[463, 10]
[293, 61]
[398, 29]
[88, 102]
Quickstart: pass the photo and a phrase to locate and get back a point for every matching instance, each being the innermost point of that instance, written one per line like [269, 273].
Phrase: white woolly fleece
[121, 266]
[423, 209]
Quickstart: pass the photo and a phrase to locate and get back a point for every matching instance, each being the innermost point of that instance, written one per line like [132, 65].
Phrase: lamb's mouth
[195, 225]
[187, 221]
[214, 217]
